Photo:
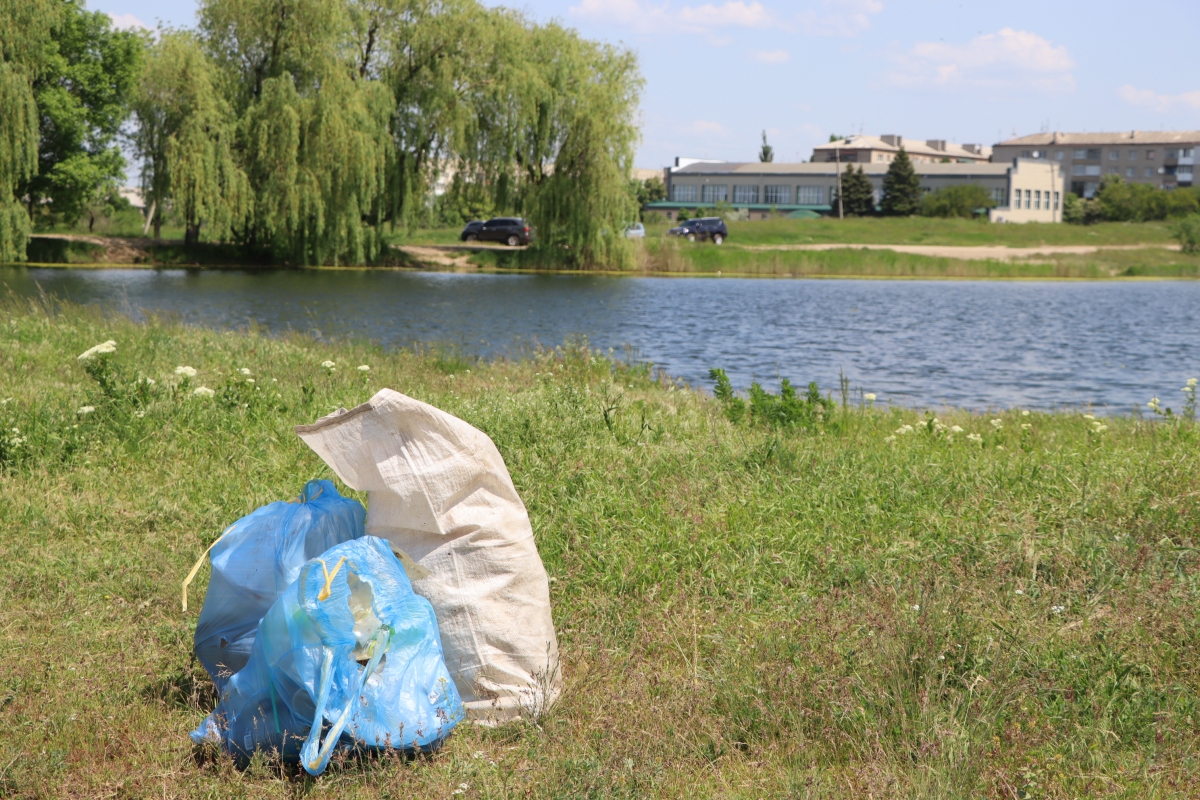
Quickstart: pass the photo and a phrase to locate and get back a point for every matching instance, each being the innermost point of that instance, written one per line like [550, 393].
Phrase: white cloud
[1159, 102]
[839, 17]
[1007, 59]
[772, 56]
[126, 22]
[647, 17]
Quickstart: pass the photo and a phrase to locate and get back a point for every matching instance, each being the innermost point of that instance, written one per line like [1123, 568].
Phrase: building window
[1089, 188]
[810, 195]
[777, 195]
[1150, 154]
[1113, 170]
[1149, 172]
[998, 196]
[1185, 152]
[683, 193]
[1133, 155]
[744, 195]
[1091, 154]
[1114, 155]
[1077, 169]
[1086, 169]
[1056, 201]
[1037, 200]
[1026, 153]
[1130, 172]
[1058, 155]
[715, 193]
[1170, 153]
[1185, 169]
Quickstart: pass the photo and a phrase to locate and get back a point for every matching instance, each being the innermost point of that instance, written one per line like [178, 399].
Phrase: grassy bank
[744, 610]
[933, 231]
[677, 256]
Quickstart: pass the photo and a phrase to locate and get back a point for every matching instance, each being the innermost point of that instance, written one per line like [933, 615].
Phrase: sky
[719, 73]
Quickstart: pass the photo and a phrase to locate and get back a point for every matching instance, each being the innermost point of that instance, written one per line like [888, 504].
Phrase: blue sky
[718, 72]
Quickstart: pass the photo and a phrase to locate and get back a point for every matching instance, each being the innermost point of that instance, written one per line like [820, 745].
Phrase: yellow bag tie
[323, 595]
[200, 562]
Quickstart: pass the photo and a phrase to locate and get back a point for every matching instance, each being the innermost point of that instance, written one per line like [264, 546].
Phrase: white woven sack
[439, 491]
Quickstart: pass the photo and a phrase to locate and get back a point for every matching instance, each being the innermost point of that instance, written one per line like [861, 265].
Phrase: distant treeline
[1119, 201]
[303, 129]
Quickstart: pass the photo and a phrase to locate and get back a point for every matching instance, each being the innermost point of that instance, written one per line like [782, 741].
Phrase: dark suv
[712, 228]
[512, 231]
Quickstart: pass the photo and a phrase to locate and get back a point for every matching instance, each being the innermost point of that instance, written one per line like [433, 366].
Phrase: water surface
[976, 344]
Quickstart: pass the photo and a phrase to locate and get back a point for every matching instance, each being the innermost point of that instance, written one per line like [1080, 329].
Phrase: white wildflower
[869, 397]
[917, 607]
[1088, 417]
[1098, 428]
[1153, 404]
[85, 410]
[363, 368]
[101, 349]
[975, 437]
[328, 364]
[249, 380]
[1058, 609]
[187, 372]
[141, 412]
[245, 371]
[147, 381]
[203, 391]
[1024, 413]
[890, 439]
[997, 424]
[1025, 426]
[904, 430]
[955, 429]
[1019, 591]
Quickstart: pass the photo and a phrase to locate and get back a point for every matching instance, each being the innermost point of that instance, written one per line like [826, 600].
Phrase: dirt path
[117, 249]
[969, 253]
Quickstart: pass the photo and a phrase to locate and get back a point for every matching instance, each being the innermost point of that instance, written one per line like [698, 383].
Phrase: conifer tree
[901, 188]
[858, 194]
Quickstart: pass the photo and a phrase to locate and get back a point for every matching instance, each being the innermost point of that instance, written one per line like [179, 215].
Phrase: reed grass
[838, 609]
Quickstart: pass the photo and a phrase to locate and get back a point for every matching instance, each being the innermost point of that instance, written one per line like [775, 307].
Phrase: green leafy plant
[784, 410]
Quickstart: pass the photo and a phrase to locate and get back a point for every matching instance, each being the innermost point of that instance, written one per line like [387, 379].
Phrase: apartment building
[1024, 190]
[1164, 159]
[883, 150]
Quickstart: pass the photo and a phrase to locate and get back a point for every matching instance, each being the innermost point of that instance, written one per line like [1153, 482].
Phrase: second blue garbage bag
[256, 559]
[347, 656]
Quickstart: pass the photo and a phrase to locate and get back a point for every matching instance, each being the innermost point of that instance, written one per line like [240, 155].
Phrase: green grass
[933, 231]
[677, 256]
[744, 611]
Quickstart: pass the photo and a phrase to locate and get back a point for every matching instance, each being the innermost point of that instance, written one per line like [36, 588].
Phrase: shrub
[1187, 231]
[968, 200]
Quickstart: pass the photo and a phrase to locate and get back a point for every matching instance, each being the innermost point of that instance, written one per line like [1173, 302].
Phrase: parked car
[710, 228]
[470, 232]
[512, 231]
[635, 231]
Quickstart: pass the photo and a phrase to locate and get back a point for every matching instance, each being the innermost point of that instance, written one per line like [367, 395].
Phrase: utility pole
[838, 152]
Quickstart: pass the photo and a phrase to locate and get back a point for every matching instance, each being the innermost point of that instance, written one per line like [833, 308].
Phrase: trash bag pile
[328, 627]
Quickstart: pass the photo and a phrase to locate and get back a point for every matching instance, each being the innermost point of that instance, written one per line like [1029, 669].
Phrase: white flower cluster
[203, 391]
[975, 437]
[998, 424]
[363, 368]
[245, 372]
[329, 365]
[869, 397]
[12, 440]
[104, 348]
[85, 410]
[1154, 405]
[186, 372]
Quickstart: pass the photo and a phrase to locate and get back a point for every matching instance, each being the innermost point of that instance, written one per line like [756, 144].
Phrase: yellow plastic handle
[323, 595]
[200, 562]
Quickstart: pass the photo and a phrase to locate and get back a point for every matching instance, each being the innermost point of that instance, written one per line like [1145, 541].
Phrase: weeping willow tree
[575, 145]
[185, 136]
[25, 26]
[315, 123]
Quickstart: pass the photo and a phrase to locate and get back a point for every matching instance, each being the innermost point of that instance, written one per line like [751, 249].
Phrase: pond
[973, 344]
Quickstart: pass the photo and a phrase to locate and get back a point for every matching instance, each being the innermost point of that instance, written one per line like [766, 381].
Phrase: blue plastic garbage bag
[348, 656]
[258, 557]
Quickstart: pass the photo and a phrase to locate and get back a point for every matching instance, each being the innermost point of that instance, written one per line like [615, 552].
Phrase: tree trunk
[157, 226]
[192, 236]
[91, 220]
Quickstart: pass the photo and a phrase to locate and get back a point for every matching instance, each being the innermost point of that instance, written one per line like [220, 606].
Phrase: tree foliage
[966, 200]
[901, 188]
[186, 137]
[766, 153]
[25, 28]
[82, 94]
[858, 194]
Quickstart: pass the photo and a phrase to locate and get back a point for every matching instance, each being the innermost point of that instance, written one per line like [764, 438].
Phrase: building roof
[1124, 137]
[823, 168]
[932, 148]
